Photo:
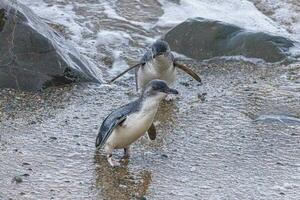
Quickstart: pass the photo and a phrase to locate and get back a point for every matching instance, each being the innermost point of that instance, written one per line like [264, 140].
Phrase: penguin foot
[170, 97]
[112, 162]
[126, 153]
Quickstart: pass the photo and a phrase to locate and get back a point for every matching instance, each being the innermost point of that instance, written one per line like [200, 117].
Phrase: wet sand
[208, 146]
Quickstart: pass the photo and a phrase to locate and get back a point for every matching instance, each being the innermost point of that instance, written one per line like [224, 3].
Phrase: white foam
[284, 12]
[113, 38]
[239, 12]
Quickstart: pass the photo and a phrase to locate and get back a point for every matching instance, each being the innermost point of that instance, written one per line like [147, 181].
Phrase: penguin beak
[171, 91]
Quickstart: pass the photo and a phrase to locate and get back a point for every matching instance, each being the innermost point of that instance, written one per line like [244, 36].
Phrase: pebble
[164, 156]
[17, 179]
[53, 138]
[202, 96]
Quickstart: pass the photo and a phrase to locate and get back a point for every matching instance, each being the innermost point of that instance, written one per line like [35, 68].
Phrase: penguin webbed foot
[112, 162]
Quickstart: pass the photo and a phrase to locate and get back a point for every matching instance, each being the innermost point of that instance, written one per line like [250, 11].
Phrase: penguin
[128, 123]
[157, 63]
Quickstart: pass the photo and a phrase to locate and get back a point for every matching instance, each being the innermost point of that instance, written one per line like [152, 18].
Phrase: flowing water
[236, 136]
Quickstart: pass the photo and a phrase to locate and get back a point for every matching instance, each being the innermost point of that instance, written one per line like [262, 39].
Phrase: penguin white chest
[159, 68]
[132, 128]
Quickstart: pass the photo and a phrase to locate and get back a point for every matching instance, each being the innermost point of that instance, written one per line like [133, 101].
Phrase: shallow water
[208, 147]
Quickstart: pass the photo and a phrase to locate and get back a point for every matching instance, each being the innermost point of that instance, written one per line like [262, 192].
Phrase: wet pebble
[164, 156]
[193, 169]
[185, 84]
[17, 179]
[202, 96]
[53, 138]
[32, 122]
[279, 163]
[25, 175]
[25, 164]
[122, 186]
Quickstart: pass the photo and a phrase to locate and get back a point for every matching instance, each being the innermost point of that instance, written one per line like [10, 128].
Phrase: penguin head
[158, 88]
[160, 48]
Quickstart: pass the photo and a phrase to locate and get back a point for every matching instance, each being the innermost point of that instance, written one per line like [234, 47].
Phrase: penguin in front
[128, 123]
[157, 63]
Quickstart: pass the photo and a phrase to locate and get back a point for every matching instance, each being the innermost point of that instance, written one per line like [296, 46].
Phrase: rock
[164, 156]
[17, 179]
[33, 56]
[202, 96]
[199, 38]
[52, 138]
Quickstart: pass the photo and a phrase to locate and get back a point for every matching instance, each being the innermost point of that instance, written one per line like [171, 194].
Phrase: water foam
[238, 12]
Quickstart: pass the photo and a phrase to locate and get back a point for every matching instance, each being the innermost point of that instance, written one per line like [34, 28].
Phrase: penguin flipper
[152, 132]
[124, 72]
[102, 137]
[188, 71]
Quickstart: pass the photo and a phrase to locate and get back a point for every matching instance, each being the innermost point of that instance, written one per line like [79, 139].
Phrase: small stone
[164, 156]
[17, 179]
[193, 169]
[25, 175]
[185, 84]
[32, 122]
[25, 164]
[202, 96]
[279, 163]
[53, 138]
[281, 193]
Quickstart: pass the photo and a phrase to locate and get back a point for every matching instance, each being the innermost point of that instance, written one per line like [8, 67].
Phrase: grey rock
[17, 179]
[200, 39]
[33, 56]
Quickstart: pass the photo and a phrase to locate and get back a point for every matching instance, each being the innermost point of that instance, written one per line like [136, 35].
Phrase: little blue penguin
[128, 123]
[157, 63]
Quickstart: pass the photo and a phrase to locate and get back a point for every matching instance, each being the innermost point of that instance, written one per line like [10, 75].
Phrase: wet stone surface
[205, 149]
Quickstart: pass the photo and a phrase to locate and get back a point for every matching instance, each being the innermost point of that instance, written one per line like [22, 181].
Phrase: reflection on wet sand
[167, 112]
[119, 183]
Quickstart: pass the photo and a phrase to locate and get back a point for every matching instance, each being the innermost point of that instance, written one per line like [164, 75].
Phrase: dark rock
[203, 39]
[33, 56]
[202, 96]
[164, 156]
[17, 179]
[52, 138]
[25, 164]
[25, 175]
